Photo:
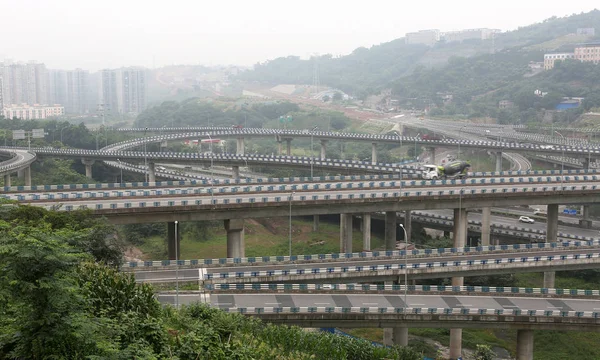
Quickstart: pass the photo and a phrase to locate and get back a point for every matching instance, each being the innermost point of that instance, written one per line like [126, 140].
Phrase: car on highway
[526, 219]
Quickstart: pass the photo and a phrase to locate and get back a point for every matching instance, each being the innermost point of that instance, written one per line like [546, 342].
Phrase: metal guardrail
[412, 310]
[423, 265]
[397, 288]
[362, 255]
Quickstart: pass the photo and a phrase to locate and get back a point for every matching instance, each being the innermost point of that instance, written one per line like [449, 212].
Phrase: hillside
[366, 71]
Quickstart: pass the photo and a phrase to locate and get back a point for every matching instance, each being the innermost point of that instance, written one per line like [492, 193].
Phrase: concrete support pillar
[173, 241]
[279, 147]
[342, 151]
[524, 344]
[432, 152]
[235, 238]
[455, 344]
[366, 229]
[288, 147]
[235, 172]
[240, 146]
[7, 180]
[323, 149]
[27, 175]
[499, 161]
[400, 336]
[485, 226]
[88, 167]
[586, 222]
[388, 333]
[390, 230]
[551, 236]
[374, 153]
[345, 233]
[586, 163]
[151, 172]
[408, 224]
[20, 174]
[315, 223]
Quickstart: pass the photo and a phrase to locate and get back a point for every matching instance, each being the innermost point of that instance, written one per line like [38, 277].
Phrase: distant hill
[390, 65]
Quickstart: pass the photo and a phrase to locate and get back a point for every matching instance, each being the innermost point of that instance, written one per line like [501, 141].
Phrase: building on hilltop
[549, 59]
[425, 37]
[588, 52]
[586, 31]
[467, 34]
[505, 104]
[27, 112]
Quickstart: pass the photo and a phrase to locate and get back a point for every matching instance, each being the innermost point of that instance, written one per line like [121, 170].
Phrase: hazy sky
[110, 33]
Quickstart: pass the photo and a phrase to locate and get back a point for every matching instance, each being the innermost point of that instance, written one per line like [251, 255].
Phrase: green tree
[484, 352]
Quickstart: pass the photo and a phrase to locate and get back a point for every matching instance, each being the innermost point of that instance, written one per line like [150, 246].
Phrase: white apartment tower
[124, 90]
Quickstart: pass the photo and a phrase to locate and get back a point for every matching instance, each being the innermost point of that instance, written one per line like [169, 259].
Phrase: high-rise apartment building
[124, 90]
[133, 93]
[77, 91]
[24, 83]
[1, 91]
[108, 94]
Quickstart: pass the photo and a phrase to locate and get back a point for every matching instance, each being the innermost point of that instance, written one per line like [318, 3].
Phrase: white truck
[453, 170]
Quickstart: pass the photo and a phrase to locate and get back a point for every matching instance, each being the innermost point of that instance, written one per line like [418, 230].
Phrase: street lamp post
[121, 167]
[562, 159]
[145, 156]
[211, 157]
[459, 130]
[176, 268]
[312, 153]
[405, 264]
[290, 224]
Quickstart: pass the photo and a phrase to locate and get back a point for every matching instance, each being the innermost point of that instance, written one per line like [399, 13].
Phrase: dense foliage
[58, 301]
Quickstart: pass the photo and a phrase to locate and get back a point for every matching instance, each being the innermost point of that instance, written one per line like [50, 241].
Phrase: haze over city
[94, 35]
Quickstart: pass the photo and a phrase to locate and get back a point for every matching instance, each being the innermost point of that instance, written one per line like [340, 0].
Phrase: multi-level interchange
[367, 288]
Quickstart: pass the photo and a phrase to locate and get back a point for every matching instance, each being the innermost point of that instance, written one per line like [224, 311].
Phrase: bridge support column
[88, 167]
[288, 147]
[551, 236]
[342, 151]
[460, 235]
[586, 163]
[235, 238]
[524, 344]
[240, 146]
[374, 153]
[7, 180]
[400, 336]
[20, 174]
[408, 225]
[345, 233]
[279, 147]
[485, 226]
[235, 172]
[586, 222]
[173, 241]
[432, 152]
[388, 333]
[27, 175]
[366, 229]
[315, 223]
[323, 149]
[499, 161]
[390, 230]
[151, 172]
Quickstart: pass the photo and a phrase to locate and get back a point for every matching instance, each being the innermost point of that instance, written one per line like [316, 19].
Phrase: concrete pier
[486, 213]
[374, 153]
[315, 223]
[366, 230]
[235, 172]
[323, 149]
[7, 180]
[499, 161]
[408, 225]
[88, 167]
[235, 238]
[390, 230]
[240, 146]
[551, 236]
[173, 241]
[460, 236]
[432, 152]
[345, 233]
[288, 142]
[524, 344]
[151, 172]
[27, 175]
[586, 222]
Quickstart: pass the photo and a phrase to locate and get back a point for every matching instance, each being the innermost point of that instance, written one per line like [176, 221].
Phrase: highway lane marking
[370, 303]
[271, 303]
[418, 304]
[322, 303]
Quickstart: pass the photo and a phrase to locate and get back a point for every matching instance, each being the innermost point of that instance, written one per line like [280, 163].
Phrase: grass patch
[269, 237]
